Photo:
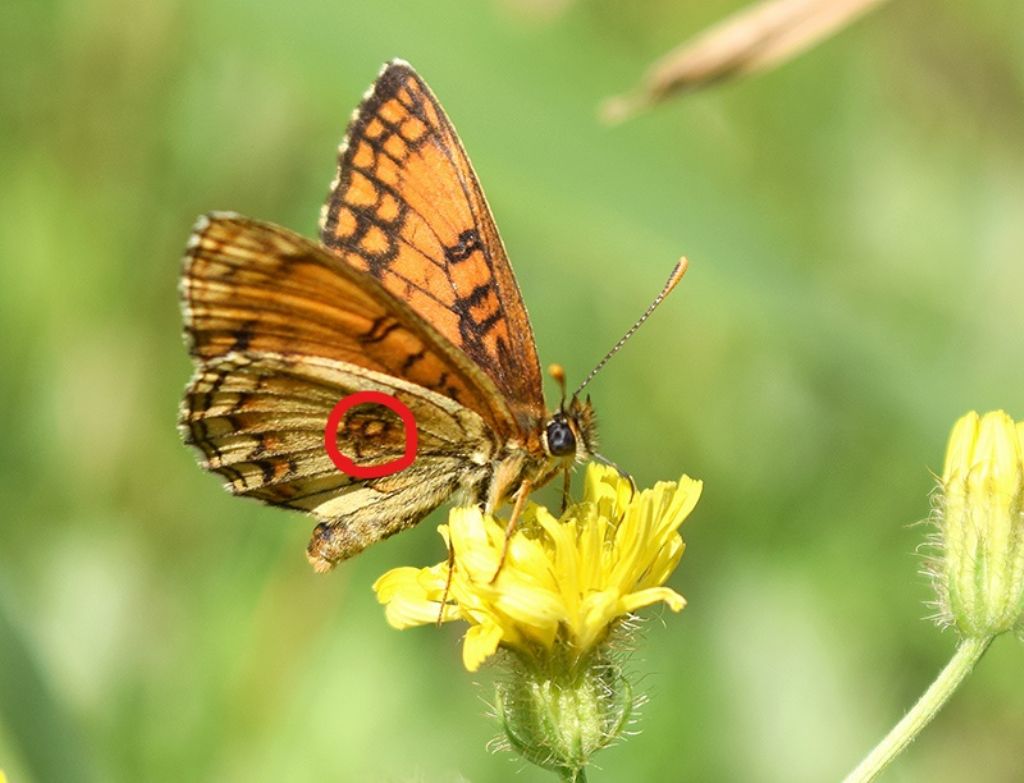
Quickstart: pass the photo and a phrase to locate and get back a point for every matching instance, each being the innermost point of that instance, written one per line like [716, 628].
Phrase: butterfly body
[409, 293]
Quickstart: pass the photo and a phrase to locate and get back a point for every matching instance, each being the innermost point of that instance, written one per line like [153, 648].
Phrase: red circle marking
[343, 463]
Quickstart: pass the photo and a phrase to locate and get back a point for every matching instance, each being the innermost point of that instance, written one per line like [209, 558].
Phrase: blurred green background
[854, 221]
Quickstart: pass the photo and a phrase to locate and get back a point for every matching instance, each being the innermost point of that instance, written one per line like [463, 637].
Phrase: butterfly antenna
[673, 280]
[557, 372]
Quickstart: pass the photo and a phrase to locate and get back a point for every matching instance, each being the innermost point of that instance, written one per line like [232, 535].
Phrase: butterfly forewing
[253, 286]
[407, 208]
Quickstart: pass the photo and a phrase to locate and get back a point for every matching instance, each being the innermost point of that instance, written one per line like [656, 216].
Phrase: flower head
[980, 572]
[564, 582]
[553, 602]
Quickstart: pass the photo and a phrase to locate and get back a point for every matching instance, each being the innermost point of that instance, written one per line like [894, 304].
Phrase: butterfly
[410, 293]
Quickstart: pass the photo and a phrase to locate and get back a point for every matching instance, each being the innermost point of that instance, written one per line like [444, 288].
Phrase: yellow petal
[412, 596]
[960, 449]
[395, 581]
[996, 456]
[652, 595]
[404, 612]
[687, 493]
[599, 609]
[480, 644]
[529, 605]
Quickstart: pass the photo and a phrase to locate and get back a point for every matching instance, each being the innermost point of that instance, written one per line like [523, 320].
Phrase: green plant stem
[919, 716]
[575, 775]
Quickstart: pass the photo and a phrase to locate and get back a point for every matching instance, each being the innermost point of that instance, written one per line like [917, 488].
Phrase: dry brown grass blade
[753, 39]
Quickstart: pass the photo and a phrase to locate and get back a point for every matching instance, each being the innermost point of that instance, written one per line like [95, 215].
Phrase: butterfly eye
[561, 441]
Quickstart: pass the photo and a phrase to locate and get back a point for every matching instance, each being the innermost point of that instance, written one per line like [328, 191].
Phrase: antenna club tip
[557, 372]
[677, 274]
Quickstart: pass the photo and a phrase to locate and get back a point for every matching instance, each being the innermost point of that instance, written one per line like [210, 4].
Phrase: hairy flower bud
[979, 574]
[558, 716]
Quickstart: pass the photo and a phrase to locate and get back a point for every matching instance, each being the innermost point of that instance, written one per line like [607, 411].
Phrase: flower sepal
[558, 717]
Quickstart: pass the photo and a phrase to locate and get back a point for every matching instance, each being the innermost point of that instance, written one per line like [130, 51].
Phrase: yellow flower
[980, 575]
[565, 582]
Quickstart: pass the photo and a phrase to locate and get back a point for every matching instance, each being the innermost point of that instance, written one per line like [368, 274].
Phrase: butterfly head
[571, 432]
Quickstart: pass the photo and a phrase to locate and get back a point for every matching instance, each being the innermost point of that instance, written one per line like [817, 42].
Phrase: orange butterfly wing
[258, 288]
[407, 208]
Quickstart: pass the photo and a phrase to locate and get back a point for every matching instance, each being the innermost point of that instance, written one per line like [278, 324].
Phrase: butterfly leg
[513, 522]
[447, 584]
[566, 485]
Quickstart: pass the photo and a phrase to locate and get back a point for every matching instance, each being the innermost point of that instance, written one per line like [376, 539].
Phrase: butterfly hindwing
[407, 208]
[258, 419]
